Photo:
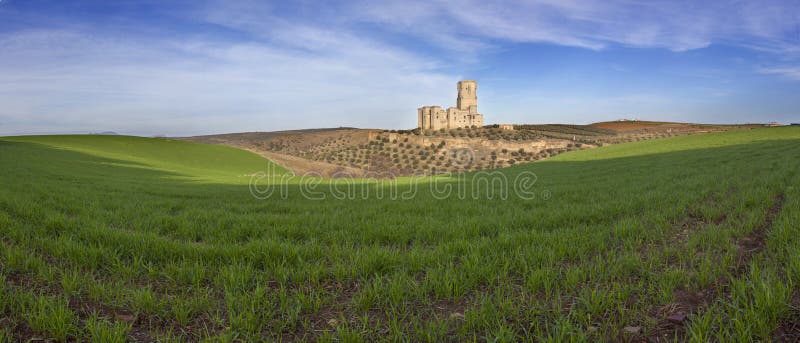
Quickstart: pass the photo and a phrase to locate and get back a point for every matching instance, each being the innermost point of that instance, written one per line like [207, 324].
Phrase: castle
[465, 114]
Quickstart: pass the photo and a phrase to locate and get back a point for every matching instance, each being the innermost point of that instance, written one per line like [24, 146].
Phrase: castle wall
[424, 117]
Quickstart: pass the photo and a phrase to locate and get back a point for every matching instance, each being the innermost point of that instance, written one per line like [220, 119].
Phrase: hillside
[690, 238]
[358, 152]
[202, 162]
[643, 127]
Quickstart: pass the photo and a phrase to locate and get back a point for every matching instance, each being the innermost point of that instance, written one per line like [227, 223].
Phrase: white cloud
[596, 24]
[789, 72]
[322, 67]
[68, 81]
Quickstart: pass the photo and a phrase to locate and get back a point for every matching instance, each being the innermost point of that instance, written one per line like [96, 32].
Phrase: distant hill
[655, 126]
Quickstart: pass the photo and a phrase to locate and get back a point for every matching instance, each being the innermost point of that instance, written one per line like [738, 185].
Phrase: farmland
[113, 238]
[348, 152]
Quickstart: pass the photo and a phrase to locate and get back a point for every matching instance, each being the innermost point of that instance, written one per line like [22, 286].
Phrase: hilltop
[358, 152]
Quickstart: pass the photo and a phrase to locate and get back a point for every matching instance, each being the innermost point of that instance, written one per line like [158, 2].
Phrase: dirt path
[301, 166]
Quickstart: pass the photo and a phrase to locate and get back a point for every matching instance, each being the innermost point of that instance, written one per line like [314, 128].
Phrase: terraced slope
[348, 151]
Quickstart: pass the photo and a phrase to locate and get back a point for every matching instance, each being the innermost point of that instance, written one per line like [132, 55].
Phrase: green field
[111, 238]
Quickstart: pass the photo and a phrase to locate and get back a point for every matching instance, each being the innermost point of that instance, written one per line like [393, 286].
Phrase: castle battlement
[464, 114]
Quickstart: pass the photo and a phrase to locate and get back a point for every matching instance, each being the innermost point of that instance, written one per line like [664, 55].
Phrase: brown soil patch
[789, 329]
[301, 166]
[755, 241]
[654, 126]
[623, 126]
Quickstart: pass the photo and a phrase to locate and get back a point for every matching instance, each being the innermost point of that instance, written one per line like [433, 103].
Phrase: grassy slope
[194, 161]
[706, 141]
[96, 245]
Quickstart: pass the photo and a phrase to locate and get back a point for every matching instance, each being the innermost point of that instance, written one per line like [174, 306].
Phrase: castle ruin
[465, 114]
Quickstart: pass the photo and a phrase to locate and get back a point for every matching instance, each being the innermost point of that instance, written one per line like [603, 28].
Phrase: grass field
[109, 238]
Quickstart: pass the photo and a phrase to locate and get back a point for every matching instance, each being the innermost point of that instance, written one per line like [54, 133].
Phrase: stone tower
[465, 114]
[467, 95]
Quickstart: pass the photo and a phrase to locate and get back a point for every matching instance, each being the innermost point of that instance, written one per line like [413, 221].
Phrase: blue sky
[154, 67]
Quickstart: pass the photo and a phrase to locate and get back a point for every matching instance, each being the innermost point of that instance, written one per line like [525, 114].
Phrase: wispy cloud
[674, 25]
[292, 76]
[214, 65]
[789, 72]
